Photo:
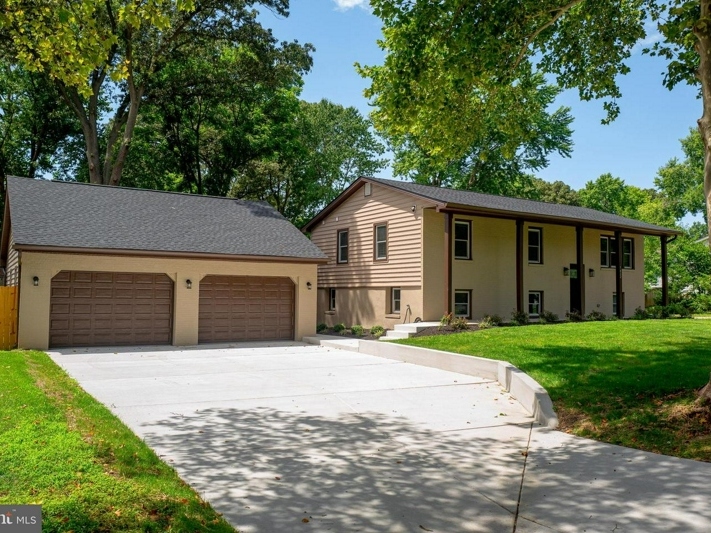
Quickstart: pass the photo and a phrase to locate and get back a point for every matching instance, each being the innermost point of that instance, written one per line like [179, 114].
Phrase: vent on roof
[368, 189]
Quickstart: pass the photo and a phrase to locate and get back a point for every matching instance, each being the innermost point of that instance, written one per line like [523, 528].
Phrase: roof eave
[551, 219]
[171, 254]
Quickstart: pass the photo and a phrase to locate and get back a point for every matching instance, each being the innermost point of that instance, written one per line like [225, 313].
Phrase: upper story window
[342, 246]
[535, 245]
[381, 242]
[462, 239]
[608, 252]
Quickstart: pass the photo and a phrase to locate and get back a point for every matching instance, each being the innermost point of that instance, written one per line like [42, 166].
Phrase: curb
[527, 391]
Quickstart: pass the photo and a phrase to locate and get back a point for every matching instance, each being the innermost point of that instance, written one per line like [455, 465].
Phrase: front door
[575, 303]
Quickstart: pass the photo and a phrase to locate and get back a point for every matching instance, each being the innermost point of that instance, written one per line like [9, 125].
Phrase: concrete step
[395, 334]
[415, 327]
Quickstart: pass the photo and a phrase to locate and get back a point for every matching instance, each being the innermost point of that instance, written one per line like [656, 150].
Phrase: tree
[610, 194]
[493, 161]
[556, 192]
[308, 158]
[682, 182]
[115, 49]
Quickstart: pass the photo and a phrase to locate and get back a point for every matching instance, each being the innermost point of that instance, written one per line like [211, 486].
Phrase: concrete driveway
[287, 437]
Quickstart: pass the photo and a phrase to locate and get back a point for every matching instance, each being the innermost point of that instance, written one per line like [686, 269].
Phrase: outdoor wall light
[591, 272]
[35, 281]
[308, 285]
[566, 271]
[188, 284]
[413, 208]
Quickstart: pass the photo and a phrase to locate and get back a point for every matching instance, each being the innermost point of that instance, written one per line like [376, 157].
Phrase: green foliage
[548, 317]
[519, 318]
[556, 192]
[596, 316]
[574, 316]
[611, 195]
[682, 182]
[446, 320]
[490, 321]
[640, 314]
[62, 448]
[622, 382]
[377, 331]
[491, 162]
[357, 330]
[459, 324]
[321, 328]
[339, 328]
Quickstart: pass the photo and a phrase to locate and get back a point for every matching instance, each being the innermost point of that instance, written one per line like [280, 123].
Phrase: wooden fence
[8, 318]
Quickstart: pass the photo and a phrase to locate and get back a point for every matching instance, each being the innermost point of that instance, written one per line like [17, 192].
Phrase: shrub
[321, 327]
[446, 320]
[573, 316]
[548, 317]
[640, 314]
[339, 328]
[701, 303]
[357, 330]
[596, 316]
[519, 318]
[490, 321]
[377, 331]
[460, 324]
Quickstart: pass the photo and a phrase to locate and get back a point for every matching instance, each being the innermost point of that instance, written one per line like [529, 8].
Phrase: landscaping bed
[627, 382]
[62, 449]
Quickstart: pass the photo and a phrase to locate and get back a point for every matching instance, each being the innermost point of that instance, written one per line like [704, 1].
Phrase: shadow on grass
[269, 470]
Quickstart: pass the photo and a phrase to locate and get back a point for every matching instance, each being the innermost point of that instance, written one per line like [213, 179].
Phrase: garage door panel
[245, 308]
[105, 308]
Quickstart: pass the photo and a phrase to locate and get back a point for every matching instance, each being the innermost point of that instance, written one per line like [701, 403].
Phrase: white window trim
[393, 310]
[339, 247]
[376, 242]
[468, 225]
[540, 303]
[608, 253]
[469, 303]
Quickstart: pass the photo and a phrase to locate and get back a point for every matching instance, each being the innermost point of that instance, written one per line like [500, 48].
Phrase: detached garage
[110, 266]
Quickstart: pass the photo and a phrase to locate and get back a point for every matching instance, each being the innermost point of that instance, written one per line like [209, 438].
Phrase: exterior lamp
[566, 271]
[35, 281]
[188, 284]
[308, 285]
[591, 272]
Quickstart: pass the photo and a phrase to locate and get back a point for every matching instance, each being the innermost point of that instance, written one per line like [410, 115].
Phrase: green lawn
[62, 449]
[626, 382]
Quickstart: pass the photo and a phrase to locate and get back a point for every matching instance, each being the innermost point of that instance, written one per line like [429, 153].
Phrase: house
[99, 265]
[399, 252]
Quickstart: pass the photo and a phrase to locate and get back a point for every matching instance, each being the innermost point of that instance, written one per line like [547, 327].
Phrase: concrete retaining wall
[520, 385]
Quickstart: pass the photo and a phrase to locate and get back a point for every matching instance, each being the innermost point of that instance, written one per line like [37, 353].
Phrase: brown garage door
[246, 308]
[110, 309]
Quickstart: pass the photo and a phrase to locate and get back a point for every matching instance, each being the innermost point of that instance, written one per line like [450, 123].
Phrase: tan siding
[359, 214]
[368, 307]
[12, 269]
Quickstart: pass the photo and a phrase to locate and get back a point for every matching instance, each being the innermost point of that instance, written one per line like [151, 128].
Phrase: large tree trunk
[702, 30]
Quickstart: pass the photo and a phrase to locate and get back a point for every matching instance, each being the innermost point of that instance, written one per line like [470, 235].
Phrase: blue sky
[642, 139]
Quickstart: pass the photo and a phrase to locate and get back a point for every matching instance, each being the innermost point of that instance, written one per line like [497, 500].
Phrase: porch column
[519, 266]
[447, 263]
[665, 274]
[581, 267]
[618, 275]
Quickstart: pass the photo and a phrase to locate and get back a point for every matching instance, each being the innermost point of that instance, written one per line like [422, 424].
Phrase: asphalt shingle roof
[79, 215]
[521, 206]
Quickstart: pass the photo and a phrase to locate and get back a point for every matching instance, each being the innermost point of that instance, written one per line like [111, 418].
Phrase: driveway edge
[526, 390]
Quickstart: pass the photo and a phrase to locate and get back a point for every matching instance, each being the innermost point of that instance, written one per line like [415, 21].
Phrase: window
[395, 300]
[331, 299]
[343, 246]
[381, 242]
[535, 245]
[535, 303]
[462, 239]
[608, 252]
[462, 300]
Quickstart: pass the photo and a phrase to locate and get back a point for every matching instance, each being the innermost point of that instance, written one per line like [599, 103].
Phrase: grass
[62, 449]
[631, 383]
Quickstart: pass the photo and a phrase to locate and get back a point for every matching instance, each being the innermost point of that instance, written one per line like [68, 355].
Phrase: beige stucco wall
[35, 301]
[369, 306]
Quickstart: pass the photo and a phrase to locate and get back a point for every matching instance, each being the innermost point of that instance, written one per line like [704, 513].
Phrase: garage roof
[80, 216]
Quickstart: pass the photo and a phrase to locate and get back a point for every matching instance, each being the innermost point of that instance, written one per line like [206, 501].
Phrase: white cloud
[344, 5]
